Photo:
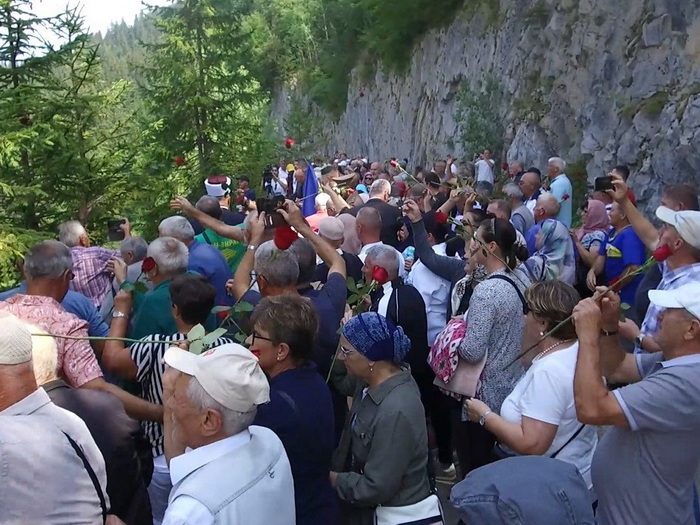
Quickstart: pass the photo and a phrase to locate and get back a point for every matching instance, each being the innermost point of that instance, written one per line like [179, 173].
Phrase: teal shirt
[153, 313]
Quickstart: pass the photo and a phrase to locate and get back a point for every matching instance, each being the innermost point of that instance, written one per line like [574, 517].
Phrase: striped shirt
[148, 356]
[670, 280]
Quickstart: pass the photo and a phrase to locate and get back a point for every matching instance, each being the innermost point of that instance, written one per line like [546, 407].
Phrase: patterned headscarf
[376, 338]
[596, 219]
[554, 258]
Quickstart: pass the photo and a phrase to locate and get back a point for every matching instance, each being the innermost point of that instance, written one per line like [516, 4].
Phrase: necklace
[550, 348]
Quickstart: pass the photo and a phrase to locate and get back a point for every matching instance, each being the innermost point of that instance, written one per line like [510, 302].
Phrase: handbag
[425, 512]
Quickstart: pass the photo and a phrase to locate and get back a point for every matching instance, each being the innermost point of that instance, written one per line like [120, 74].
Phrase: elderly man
[133, 251]
[521, 217]
[501, 210]
[515, 171]
[90, 263]
[204, 259]
[153, 310]
[233, 472]
[530, 184]
[644, 466]
[231, 248]
[560, 187]
[547, 208]
[48, 269]
[379, 195]
[321, 202]
[52, 470]
[331, 230]
[681, 233]
[125, 450]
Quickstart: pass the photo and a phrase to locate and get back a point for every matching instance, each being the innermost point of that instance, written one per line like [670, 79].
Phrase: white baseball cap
[229, 373]
[15, 340]
[686, 297]
[686, 222]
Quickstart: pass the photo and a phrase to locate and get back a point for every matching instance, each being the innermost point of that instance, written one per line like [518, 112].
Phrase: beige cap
[229, 373]
[15, 341]
[332, 229]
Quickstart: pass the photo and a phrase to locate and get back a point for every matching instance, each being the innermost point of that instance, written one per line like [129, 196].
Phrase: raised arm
[325, 251]
[338, 202]
[231, 232]
[644, 229]
[241, 280]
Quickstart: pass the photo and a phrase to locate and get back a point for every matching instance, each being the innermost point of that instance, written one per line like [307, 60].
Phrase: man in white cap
[223, 470]
[644, 466]
[681, 233]
[52, 471]
[219, 186]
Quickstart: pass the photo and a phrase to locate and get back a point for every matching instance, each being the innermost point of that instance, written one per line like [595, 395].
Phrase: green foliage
[576, 171]
[480, 125]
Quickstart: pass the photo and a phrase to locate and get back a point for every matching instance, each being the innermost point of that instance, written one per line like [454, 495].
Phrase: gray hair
[48, 259]
[177, 227]
[306, 259]
[170, 254]
[387, 257]
[278, 267]
[549, 203]
[70, 232]
[512, 190]
[233, 422]
[379, 186]
[136, 245]
[558, 162]
[321, 201]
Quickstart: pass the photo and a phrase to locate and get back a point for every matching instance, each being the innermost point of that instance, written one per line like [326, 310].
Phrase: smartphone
[603, 183]
[273, 218]
[113, 231]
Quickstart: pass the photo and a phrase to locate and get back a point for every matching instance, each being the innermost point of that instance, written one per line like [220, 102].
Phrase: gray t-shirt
[644, 474]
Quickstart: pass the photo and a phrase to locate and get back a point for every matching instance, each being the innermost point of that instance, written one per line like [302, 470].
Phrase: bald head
[529, 183]
[547, 207]
[368, 225]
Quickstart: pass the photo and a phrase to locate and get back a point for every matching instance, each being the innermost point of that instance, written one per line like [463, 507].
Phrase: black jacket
[353, 268]
[390, 220]
[126, 451]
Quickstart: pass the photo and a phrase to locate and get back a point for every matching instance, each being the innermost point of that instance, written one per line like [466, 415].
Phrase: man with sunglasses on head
[48, 268]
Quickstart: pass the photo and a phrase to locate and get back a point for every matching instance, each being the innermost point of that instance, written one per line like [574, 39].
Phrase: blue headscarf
[554, 258]
[376, 338]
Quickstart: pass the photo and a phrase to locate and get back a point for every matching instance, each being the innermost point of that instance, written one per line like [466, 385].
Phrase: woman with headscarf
[380, 469]
[588, 240]
[553, 258]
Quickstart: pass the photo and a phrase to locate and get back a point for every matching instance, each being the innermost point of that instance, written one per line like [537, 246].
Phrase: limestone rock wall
[594, 81]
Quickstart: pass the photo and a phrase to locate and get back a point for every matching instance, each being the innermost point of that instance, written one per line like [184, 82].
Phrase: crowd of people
[331, 352]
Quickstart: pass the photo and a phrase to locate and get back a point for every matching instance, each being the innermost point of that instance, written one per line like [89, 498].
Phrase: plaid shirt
[670, 280]
[90, 269]
[77, 363]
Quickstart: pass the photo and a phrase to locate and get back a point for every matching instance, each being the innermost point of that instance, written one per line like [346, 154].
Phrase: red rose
[440, 217]
[288, 143]
[284, 237]
[566, 197]
[662, 253]
[350, 191]
[504, 166]
[380, 275]
[179, 160]
[394, 164]
[148, 264]
[362, 94]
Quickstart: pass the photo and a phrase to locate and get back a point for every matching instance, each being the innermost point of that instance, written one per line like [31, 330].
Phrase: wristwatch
[252, 247]
[116, 314]
[639, 340]
[482, 419]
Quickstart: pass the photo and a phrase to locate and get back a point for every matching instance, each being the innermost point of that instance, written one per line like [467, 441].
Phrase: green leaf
[196, 334]
[240, 337]
[127, 286]
[140, 287]
[208, 339]
[361, 285]
[352, 300]
[625, 306]
[196, 347]
[243, 307]
[352, 286]
[219, 309]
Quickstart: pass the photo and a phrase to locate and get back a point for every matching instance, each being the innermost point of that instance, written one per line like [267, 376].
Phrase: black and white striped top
[148, 356]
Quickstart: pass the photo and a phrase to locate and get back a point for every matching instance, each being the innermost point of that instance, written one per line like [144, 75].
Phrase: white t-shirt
[484, 170]
[546, 393]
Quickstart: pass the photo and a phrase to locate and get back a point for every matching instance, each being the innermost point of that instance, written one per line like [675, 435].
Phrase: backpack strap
[91, 473]
[520, 294]
[568, 441]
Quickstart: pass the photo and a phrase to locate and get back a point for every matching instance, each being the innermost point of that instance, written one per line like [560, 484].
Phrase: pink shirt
[315, 219]
[92, 279]
[77, 363]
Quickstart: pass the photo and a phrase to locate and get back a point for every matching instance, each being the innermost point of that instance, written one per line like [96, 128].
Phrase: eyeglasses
[346, 351]
[258, 336]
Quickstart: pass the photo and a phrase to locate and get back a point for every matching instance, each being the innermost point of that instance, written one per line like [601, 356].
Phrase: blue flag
[308, 205]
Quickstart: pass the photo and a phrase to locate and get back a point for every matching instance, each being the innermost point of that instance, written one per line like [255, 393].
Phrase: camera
[603, 183]
[270, 205]
[114, 232]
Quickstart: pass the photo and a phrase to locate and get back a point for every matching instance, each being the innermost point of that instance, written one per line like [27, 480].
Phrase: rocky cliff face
[594, 81]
